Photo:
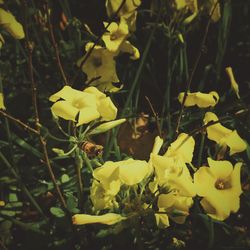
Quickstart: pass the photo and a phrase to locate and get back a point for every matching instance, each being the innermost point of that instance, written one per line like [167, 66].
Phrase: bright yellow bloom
[234, 84]
[108, 219]
[224, 136]
[2, 203]
[175, 205]
[100, 67]
[115, 35]
[11, 25]
[202, 100]
[219, 185]
[2, 106]
[129, 172]
[90, 104]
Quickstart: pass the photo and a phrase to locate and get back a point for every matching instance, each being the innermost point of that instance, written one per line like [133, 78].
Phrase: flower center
[97, 61]
[222, 184]
[113, 37]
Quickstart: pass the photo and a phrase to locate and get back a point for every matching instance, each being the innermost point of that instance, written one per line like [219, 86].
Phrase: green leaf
[58, 212]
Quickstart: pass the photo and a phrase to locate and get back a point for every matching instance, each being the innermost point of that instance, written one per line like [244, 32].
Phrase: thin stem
[55, 46]
[79, 163]
[201, 147]
[196, 63]
[30, 46]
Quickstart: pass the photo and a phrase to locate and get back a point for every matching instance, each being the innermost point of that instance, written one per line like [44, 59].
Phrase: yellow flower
[2, 203]
[100, 198]
[224, 136]
[11, 25]
[175, 205]
[100, 66]
[182, 148]
[219, 185]
[2, 101]
[202, 100]
[127, 9]
[108, 219]
[234, 84]
[162, 220]
[129, 172]
[90, 104]
[115, 35]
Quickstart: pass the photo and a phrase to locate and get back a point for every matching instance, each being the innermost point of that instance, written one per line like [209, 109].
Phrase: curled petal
[65, 110]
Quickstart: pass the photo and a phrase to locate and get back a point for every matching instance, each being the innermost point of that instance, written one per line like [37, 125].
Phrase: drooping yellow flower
[219, 185]
[108, 219]
[175, 205]
[115, 35]
[234, 84]
[129, 172]
[202, 100]
[10, 24]
[2, 106]
[224, 136]
[100, 66]
[89, 104]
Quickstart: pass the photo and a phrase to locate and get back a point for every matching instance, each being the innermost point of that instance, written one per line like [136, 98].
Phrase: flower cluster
[99, 62]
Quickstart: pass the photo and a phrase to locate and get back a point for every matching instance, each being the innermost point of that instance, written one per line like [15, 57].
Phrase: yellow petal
[127, 47]
[87, 115]
[235, 179]
[215, 132]
[234, 84]
[66, 93]
[235, 143]
[107, 109]
[2, 101]
[202, 100]
[182, 148]
[95, 91]
[220, 169]
[157, 145]
[10, 24]
[133, 172]
[64, 110]
[162, 220]
[108, 219]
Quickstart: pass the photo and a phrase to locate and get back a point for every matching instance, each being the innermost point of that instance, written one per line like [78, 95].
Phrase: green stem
[79, 163]
[203, 136]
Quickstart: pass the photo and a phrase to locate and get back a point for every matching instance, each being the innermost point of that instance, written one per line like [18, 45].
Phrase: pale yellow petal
[66, 93]
[235, 143]
[87, 115]
[157, 145]
[108, 219]
[235, 179]
[107, 109]
[127, 47]
[2, 106]
[220, 169]
[64, 110]
[162, 220]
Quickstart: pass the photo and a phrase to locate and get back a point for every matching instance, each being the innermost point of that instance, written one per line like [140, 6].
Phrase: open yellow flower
[108, 219]
[219, 185]
[100, 65]
[202, 100]
[176, 206]
[224, 136]
[2, 203]
[115, 35]
[234, 84]
[129, 172]
[89, 105]
[2, 106]
[10, 24]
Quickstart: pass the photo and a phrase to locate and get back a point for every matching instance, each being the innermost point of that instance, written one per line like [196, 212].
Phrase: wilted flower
[202, 100]
[219, 185]
[108, 219]
[224, 136]
[89, 104]
[10, 24]
[234, 84]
